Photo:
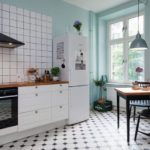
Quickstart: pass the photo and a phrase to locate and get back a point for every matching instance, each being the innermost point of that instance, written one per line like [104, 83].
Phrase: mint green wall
[103, 18]
[147, 37]
[63, 14]
[94, 91]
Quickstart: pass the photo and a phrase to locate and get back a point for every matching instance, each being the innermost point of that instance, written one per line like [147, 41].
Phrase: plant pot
[103, 107]
[55, 78]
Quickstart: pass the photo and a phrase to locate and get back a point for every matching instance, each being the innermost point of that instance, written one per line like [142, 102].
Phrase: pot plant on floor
[55, 71]
[102, 104]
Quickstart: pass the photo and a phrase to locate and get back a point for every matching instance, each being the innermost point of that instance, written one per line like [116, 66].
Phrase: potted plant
[55, 73]
[101, 83]
[77, 25]
[102, 104]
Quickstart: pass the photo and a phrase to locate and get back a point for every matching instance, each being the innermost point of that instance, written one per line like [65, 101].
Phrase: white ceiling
[96, 5]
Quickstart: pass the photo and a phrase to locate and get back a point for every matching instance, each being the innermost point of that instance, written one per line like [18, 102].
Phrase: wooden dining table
[129, 94]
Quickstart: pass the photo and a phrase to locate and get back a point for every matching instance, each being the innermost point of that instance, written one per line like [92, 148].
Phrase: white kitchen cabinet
[41, 105]
[60, 103]
[60, 97]
[34, 101]
[59, 112]
[60, 87]
[34, 89]
[34, 119]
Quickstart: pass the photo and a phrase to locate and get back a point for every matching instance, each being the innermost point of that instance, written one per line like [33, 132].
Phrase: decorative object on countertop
[55, 71]
[46, 76]
[139, 70]
[135, 86]
[33, 74]
[77, 25]
[102, 104]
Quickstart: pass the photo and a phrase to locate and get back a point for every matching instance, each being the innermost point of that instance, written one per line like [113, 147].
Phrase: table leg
[128, 119]
[118, 111]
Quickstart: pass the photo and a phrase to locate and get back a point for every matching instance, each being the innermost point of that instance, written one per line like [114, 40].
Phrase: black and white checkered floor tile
[98, 133]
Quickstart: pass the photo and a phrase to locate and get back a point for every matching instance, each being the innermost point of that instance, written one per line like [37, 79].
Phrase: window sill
[113, 84]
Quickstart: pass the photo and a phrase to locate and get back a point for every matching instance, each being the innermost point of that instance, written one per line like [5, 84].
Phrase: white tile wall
[35, 30]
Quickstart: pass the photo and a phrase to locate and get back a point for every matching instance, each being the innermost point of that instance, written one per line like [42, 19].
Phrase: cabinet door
[60, 87]
[60, 97]
[34, 101]
[26, 90]
[35, 89]
[60, 113]
[33, 119]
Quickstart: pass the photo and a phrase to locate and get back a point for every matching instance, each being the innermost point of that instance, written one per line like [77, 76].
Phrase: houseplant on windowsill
[77, 25]
[102, 104]
[55, 71]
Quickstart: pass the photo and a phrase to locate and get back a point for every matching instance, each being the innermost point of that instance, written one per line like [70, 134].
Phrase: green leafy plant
[55, 71]
[77, 25]
[101, 83]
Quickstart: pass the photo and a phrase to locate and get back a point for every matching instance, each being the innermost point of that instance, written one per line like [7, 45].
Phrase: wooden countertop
[21, 84]
[130, 91]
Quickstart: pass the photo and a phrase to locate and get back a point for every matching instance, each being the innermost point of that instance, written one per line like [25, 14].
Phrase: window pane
[117, 62]
[116, 30]
[133, 25]
[136, 59]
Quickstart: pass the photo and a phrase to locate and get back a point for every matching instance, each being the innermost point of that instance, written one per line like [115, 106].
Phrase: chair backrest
[143, 84]
[141, 103]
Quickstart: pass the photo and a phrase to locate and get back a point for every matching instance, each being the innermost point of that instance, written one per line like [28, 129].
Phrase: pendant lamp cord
[138, 13]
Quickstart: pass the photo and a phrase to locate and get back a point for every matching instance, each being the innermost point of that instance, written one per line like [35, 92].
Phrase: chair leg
[130, 110]
[134, 113]
[137, 127]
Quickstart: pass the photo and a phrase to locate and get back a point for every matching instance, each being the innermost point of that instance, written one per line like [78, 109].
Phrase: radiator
[111, 95]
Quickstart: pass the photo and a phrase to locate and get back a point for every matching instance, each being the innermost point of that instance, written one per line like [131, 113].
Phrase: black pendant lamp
[139, 43]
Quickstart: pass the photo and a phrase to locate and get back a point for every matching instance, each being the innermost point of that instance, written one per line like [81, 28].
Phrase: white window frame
[125, 40]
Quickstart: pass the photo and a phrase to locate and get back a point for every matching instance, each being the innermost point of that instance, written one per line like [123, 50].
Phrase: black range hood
[8, 42]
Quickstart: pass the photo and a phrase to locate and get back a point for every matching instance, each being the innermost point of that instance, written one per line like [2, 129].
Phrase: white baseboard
[19, 135]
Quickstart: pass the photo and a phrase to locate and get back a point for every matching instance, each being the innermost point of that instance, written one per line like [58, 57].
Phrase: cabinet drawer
[34, 119]
[26, 90]
[35, 89]
[60, 113]
[59, 97]
[60, 87]
[34, 101]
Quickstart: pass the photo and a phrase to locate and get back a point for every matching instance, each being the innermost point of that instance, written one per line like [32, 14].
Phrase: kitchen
[35, 111]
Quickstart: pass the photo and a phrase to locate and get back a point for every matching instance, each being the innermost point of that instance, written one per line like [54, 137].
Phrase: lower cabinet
[59, 113]
[42, 105]
[35, 118]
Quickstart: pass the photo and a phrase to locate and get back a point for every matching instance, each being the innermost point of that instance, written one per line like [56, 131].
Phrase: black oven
[8, 107]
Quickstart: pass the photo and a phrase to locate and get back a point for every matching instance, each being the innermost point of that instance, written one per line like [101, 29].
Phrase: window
[123, 62]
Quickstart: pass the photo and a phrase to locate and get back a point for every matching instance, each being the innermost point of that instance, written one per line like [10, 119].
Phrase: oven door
[8, 111]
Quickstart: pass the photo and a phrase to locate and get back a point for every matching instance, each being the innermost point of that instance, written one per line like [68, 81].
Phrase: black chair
[139, 103]
[146, 114]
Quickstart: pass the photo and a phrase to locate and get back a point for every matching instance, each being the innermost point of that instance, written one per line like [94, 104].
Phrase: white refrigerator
[70, 53]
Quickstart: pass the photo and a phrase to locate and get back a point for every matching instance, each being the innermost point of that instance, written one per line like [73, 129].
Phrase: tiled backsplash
[32, 28]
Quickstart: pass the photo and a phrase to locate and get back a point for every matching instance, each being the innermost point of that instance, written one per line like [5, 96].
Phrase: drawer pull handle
[60, 107]
[36, 94]
[36, 87]
[36, 112]
[60, 91]
[60, 84]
